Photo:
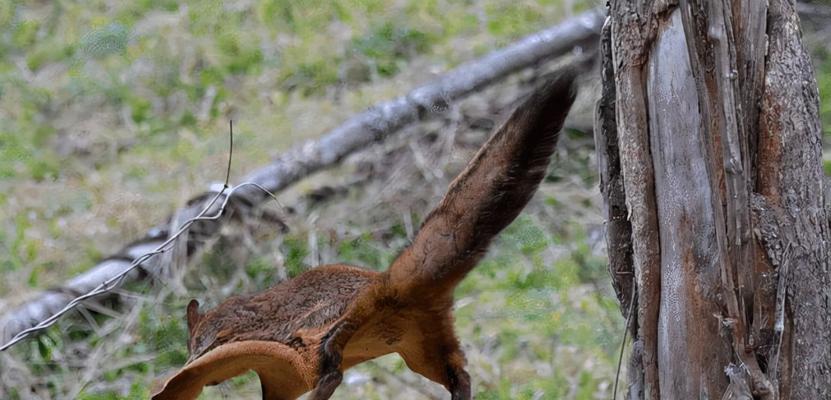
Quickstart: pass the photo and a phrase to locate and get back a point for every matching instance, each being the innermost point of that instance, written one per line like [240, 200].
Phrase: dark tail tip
[551, 101]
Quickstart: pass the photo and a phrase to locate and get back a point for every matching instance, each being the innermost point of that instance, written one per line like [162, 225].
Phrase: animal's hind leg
[331, 356]
[458, 379]
[335, 340]
[441, 361]
[326, 385]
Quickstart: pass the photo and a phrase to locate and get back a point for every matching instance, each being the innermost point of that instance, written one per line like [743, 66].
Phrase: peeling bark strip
[711, 31]
[707, 114]
[367, 128]
[632, 33]
[618, 228]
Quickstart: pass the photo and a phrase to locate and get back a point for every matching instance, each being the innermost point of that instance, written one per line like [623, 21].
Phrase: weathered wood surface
[728, 116]
[719, 146]
[690, 256]
[633, 30]
[618, 227]
[357, 133]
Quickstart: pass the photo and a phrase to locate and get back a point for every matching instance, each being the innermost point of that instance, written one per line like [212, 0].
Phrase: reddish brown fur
[301, 334]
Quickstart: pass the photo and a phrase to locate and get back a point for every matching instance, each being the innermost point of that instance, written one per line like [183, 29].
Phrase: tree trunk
[709, 150]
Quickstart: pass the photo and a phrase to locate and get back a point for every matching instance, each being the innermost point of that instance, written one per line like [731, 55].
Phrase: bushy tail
[488, 194]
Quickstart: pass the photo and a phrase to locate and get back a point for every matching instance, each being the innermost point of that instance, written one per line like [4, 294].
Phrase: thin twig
[623, 343]
[781, 295]
[230, 153]
[115, 281]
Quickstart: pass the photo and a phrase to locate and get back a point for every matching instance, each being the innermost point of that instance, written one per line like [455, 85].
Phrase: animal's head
[207, 330]
[195, 345]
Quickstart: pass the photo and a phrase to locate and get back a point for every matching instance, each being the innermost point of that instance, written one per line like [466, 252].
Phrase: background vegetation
[112, 114]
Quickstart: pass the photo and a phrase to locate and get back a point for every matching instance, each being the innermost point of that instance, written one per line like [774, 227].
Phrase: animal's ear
[193, 316]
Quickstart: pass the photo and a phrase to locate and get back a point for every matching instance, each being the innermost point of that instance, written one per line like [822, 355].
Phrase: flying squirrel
[302, 334]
